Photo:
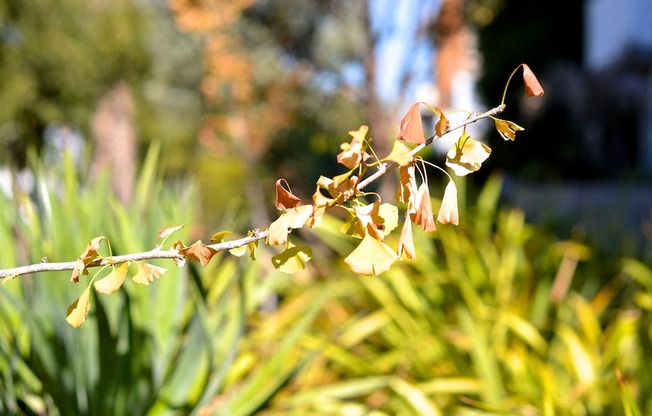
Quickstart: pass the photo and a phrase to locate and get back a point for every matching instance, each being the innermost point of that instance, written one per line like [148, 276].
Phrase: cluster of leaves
[368, 218]
[371, 222]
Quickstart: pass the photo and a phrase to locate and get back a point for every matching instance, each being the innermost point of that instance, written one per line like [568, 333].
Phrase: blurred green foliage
[478, 325]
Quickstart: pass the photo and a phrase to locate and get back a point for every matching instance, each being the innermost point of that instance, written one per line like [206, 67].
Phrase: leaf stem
[502, 102]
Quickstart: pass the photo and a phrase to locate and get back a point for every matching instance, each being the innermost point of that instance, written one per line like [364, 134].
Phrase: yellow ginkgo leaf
[466, 155]
[112, 282]
[293, 259]
[371, 257]
[277, 233]
[219, 236]
[78, 311]
[297, 216]
[507, 129]
[238, 251]
[147, 273]
[400, 154]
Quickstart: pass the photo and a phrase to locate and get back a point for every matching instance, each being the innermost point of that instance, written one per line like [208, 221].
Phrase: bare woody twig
[159, 253]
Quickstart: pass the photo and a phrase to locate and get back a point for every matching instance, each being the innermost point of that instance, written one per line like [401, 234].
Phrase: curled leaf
[112, 282]
[411, 126]
[78, 311]
[147, 273]
[406, 242]
[285, 199]
[219, 236]
[442, 123]
[86, 258]
[507, 129]
[423, 215]
[407, 183]
[340, 189]
[532, 85]
[466, 155]
[167, 231]
[353, 153]
[371, 257]
[448, 212]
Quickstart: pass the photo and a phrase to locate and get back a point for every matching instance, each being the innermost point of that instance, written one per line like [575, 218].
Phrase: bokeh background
[119, 118]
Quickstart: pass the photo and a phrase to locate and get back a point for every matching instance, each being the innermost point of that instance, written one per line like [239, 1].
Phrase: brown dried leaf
[407, 183]
[411, 127]
[442, 124]
[199, 252]
[532, 85]
[285, 199]
[86, 258]
[353, 153]
[423, 215]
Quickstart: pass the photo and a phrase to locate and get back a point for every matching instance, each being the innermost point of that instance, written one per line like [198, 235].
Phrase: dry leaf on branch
[86, 258]
[411, 126]
[532, 86]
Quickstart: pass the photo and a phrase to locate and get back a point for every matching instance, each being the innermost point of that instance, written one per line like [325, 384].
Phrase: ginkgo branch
[156, 253]
[159, 253]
